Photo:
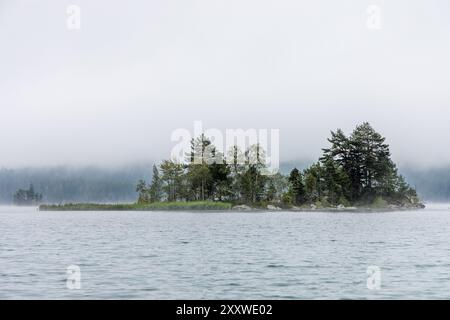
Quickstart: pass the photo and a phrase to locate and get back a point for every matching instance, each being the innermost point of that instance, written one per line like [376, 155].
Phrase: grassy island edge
[216, 206]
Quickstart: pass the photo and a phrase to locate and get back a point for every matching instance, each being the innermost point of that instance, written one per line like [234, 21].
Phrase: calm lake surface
[232, 255]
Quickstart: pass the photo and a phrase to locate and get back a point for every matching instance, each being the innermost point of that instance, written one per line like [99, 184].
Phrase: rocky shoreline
[313, 208]
[224, 207]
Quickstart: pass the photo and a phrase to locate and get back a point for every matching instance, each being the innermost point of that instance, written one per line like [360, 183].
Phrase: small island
[355, 173]
[28, 197]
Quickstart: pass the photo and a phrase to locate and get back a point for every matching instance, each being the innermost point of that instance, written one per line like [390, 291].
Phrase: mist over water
[85, 112]
[198, 255]
[112, 92]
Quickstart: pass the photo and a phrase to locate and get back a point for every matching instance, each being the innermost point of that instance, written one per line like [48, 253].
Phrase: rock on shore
[242, 207]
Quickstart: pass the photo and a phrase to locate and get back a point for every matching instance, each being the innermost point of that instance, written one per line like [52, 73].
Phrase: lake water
[232, 255]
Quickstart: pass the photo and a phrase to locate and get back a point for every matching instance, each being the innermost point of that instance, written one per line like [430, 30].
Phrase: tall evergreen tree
[155, 190]
[335, 181]
[375, 164]
[172, 175]
[297, 187]
[142, 190]
[355, 169]
[313, 182]
[365, 159]
[252, 179]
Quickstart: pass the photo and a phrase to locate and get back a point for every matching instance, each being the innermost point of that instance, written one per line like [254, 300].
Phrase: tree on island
[297, 187]
[27, 197]
[365, 161]
[156, 191]
[356, 170]
[153, 192]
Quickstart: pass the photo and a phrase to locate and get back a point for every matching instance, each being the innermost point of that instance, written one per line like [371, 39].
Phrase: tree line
[354, 170]
[63, 184]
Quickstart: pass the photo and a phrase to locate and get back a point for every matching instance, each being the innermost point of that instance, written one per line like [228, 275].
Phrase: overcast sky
[114, 91]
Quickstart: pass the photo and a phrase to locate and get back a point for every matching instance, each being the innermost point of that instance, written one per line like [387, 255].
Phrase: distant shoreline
[212, 206]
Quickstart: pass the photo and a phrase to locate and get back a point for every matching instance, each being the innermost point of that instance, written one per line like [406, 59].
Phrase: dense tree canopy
[354, 170]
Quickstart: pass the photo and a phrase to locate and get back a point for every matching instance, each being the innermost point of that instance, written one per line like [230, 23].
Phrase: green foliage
[360, 169]
[155, 190]
[379, 203]
[344, 202]
[335, 181]
[156, 206]
[325, 203]
[271, 192]
[172, 178]
[313, 182]
[318, 204]
[297, 187]
[252, 184]
[355, 170]
[287, 198]
[142, 189]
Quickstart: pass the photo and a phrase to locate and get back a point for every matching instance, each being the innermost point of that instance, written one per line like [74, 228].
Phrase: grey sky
[114, 91]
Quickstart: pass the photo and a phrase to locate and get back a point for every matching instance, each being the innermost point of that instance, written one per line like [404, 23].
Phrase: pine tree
[172, 176]
[142, 190]
[297, 187]
[365, 161]
[374, 161]
[155, 190]
[355, 169]
[313, 182]
[271, 191]
[252, 180]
